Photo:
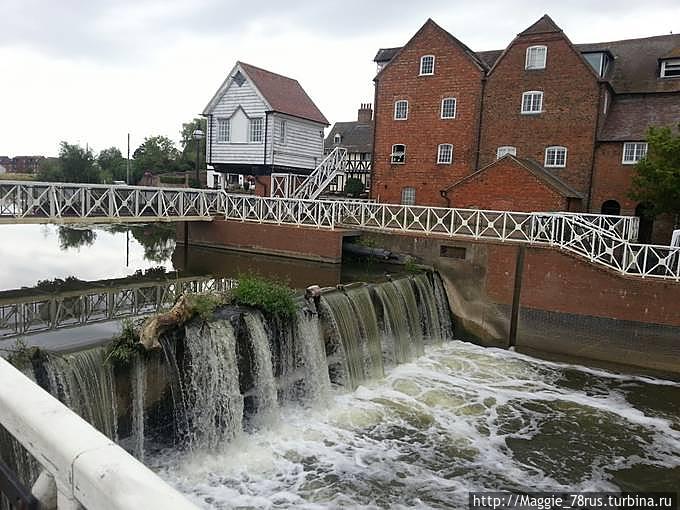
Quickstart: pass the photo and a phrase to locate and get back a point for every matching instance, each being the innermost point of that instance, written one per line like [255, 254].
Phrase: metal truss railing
[42, 202]
[36, 314]
[322, 175]
[284, 185]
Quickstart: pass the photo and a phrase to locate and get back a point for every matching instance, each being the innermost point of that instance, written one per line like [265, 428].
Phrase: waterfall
[308, 331]
[427, 305]
[138, 405]
[211, 384]
[395, 320]
[415, 323]
[263, 376]
[84, 381]
[443, 310]
[362, 305]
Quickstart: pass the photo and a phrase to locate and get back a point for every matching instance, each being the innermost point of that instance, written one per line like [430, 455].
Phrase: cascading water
[84, 381]
[362, 305]
[397, 329]
[263, 375]
[443, 309]
[427, 306]
[308, 331]
[211, 384]
[415, 321]
[138, 405]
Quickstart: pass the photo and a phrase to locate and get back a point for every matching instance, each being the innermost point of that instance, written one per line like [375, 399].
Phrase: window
[633, 152]
[282, 132]
[532, 102]
[506, 149]
[448, 108]
[408, 196]
[611, 207]
[536, 57]
[445, 153]
[555, 157]
[670, 68]
[398, 155]
[427, 65]
[598, 61]
[401, 110]
[223, 130]
[337, 138]
[256, 130]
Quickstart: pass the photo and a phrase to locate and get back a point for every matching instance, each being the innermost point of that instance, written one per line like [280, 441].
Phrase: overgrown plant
[122, 349]
[204, 305]
[272, 297]
[20, 355]
[411, 266]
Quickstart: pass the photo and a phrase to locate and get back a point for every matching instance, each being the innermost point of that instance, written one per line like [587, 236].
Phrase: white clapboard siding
[303, 147]
[252, 105]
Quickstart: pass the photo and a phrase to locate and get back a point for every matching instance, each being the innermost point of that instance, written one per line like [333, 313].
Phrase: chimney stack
[365, 115]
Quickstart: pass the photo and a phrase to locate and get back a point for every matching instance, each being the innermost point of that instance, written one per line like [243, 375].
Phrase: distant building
[21, 164]
[260, 123]
[357, 138]
[543, 124]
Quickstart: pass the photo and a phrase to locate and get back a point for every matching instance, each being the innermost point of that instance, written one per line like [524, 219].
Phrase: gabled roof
[629, 116]
[282, 94]
[356, 136]
[545, 25]
[634, 68]
[533, 167]
[392, 53]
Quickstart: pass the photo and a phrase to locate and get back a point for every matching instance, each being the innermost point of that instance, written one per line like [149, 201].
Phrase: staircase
[332, 165]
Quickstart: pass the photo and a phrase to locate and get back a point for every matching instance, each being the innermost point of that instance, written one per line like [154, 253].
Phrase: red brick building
[572, 116]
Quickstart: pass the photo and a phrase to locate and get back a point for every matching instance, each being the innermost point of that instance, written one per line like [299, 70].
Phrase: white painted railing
[322, 175]
[43, 202]
[39, 313]
[89, 470]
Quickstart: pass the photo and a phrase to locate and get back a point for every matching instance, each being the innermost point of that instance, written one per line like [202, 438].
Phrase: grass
[204, 305]
[122, 349]
[16, 177]
[271, 297]
[411, 266]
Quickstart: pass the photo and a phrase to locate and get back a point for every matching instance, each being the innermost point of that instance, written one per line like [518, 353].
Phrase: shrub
[354, 187]
[269, 296]
[122, 349]
[204, 305]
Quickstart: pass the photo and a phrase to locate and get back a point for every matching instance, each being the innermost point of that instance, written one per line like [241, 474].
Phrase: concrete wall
[562, 304]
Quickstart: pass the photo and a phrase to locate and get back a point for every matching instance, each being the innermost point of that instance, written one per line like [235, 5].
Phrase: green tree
[656, 180]
[78, 164]
[189, 144]
[49, 170]
[112, 164]
[157, 155]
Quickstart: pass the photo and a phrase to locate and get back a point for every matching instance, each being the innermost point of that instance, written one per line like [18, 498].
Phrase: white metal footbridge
[604, 240]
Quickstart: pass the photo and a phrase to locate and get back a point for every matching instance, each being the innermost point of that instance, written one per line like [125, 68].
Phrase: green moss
[272, 297]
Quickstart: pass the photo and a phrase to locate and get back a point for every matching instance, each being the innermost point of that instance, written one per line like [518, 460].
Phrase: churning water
[457, 419]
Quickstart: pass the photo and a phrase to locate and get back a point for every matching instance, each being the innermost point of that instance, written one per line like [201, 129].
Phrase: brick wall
[455, 75]
[570, 107]
[489, 189]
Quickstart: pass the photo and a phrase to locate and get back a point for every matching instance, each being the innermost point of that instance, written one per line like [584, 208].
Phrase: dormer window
[535, 58]
[337, 138]
[598, 60]
[670, 68]
[427, 65]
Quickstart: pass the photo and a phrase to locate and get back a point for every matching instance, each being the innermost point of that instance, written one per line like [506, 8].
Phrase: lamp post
[198, 135]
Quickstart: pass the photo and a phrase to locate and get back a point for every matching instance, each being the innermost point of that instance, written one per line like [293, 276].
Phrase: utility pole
[127, 165]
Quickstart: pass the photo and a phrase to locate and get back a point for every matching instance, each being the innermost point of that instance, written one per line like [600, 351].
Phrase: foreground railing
[88, 469]
[42, 202]
[39, 313]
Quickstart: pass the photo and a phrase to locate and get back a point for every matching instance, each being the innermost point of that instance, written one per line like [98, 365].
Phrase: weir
[215, 380]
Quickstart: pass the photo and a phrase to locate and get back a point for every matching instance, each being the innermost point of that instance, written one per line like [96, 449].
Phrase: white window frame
[396, 109]
[440, 153]
[422, 61]
[530, 49]
[252, 130]
[282, 132]
[555, 164]
[540, 104]
[411, 192]
[394, 153]
[506, 149]
[337, 138]
[455, 108]
[639, 152]
[675, 66]
[220, 132]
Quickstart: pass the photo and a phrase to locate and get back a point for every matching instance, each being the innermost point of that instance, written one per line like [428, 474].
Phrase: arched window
[337, 138]
[611, 207]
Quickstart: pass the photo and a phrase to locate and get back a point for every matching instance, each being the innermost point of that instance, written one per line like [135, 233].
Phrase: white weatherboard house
[259, 122]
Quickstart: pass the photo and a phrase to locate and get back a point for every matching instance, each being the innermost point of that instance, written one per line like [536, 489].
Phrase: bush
[122, 349]
[203, 305]
[354, 187]
[269, 296]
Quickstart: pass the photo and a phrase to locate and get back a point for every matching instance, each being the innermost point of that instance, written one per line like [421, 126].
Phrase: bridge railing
[40, 313]
[62, 202]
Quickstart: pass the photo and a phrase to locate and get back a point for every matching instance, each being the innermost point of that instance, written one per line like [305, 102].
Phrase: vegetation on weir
[270, 296]
[123, 348]
[21, 355]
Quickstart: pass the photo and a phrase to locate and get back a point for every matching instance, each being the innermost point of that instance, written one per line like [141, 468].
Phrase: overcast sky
[90, 71]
